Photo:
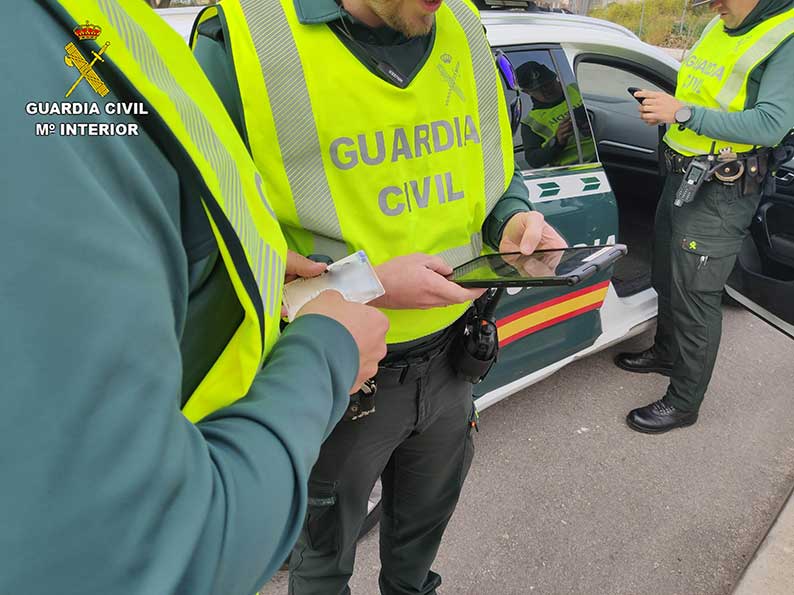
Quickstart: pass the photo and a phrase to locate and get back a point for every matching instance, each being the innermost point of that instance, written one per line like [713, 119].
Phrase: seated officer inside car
[732, 105]
[547, 129]
[382, 126]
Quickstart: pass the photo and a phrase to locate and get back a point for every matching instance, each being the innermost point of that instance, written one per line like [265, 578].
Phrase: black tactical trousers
[695, 248]
[419, 442]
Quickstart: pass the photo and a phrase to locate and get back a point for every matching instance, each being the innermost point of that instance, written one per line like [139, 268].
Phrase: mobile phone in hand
[632, 91]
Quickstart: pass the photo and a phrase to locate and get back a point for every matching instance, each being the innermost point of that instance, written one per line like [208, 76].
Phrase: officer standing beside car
[733, 105]
[382, 126]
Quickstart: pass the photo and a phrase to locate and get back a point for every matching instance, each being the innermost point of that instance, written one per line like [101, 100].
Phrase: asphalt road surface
[563, 498]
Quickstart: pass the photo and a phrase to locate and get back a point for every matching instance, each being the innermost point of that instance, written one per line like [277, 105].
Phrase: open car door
[763, 278]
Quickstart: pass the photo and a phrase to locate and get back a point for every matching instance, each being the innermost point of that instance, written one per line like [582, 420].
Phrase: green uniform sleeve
[107, 488]
[768, 120]
[514, 200]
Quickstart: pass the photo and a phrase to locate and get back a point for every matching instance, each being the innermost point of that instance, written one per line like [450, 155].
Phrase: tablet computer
[567, 266]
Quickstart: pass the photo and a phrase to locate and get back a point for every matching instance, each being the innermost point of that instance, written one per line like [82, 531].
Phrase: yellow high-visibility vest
[544, 122]
[162, 71]
[355, 162]
[715, 75]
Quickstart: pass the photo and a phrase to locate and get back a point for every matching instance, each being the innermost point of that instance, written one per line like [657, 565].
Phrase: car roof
[552, 27]
[577, 34]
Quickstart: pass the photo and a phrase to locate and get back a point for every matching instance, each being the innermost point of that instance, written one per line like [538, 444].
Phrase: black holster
[476, 348]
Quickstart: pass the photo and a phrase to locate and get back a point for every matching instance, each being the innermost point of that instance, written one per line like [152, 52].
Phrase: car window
[554, 129]
[614, 114]
[609, 82]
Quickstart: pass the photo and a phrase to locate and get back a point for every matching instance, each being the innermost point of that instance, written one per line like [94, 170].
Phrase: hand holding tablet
[567, 266]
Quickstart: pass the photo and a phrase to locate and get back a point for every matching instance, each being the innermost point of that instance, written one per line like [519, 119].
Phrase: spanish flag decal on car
[551, 312]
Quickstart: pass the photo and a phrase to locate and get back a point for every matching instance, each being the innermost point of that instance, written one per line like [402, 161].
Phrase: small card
[353, 277]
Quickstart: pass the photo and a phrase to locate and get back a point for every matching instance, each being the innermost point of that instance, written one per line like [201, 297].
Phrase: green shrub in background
[661, 24]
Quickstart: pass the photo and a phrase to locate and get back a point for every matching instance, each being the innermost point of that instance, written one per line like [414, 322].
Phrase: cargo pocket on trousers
[735, 209]
[708, 262]
[322, 518]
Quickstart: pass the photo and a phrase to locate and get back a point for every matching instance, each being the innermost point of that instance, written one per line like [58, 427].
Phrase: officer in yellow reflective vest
[547, 128]
[733, 102]
[382, 126]
[156, 434]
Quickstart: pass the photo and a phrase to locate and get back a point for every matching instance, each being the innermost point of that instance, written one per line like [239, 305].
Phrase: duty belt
[401, 366]
[732, 166]
[403, 363]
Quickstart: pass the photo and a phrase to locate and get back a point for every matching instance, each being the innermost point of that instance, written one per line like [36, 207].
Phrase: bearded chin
[415, 28]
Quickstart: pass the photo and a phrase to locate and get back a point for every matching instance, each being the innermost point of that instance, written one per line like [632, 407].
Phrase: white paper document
[353, 277]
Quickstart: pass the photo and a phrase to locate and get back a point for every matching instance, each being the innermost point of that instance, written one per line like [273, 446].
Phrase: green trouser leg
[419, 441]
[661, 275]
[701, 240]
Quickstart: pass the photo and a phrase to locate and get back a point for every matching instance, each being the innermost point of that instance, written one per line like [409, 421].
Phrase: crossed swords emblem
[74, 58]
[452, 82]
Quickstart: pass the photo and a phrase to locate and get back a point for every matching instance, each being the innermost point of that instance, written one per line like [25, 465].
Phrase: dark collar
[312, 12]
[765, 9]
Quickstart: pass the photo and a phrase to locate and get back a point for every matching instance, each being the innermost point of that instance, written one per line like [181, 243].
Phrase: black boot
[659, 417]
[643, 362]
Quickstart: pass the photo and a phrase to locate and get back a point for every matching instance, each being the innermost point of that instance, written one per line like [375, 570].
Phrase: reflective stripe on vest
[716, 72]
[489, 98]
[159, 67]
[364, 169]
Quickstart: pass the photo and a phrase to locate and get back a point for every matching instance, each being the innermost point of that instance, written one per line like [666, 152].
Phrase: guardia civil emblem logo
[450, 77]
[113, 116]
[75, 59]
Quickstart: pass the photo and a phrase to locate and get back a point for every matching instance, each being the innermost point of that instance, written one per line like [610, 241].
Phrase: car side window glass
[551, 127]
[614, 113]
[609, 83]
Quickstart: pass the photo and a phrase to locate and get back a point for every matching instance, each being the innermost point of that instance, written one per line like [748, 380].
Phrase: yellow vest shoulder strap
[160, 69]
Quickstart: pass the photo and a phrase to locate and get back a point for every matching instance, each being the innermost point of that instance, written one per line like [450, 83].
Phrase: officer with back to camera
[156, 434]
[382, 125]
[733, 104]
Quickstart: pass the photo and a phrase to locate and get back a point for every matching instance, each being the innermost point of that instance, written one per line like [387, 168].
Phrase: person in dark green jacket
[732, 104]
[113, 303]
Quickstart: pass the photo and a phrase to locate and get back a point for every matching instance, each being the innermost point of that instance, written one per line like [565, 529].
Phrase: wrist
[683, 115]
[504, 220]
